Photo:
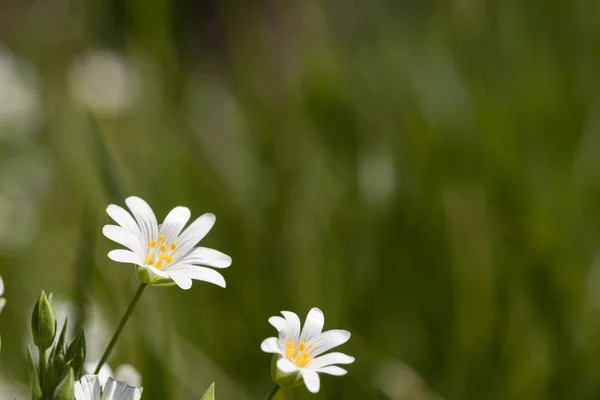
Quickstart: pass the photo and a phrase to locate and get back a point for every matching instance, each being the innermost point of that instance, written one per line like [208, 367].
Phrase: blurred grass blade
[83, 265]
[111, 180]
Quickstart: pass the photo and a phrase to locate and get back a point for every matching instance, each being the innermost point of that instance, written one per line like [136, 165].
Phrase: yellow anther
[302, 360]
[302, 346]
[289, 344]
[153, 244]
[163, 247]
[158, 265]
[290, 353]
[165, 257]
[173, 246]
[148, 258]
[161, 238]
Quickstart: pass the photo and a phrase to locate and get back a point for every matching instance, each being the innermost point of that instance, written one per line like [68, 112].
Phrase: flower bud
[283, 379]
[66, 388]
[43, 322]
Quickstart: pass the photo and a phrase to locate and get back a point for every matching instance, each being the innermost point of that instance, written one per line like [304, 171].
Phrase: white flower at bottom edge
[89, 388]
[125, 373]
[300, 352]
[2, 299]
[164, 254]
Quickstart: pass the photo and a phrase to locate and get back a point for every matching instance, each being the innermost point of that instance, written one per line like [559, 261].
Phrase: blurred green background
[425, 172]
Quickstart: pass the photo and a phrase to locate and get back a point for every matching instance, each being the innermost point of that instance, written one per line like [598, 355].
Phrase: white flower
[2, 299]
[163, 254]
[126, 373]
[89, 388]
[301, 351]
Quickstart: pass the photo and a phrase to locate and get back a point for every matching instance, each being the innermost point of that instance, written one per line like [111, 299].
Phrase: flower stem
[272, 392]
[115, 337]
[42, 366]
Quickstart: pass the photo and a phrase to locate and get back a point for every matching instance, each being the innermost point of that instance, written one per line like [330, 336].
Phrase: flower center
[297, 355]
[158, 253]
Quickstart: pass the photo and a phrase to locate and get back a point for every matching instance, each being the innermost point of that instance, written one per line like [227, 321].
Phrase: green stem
[42, 367]
[115, 337]
[272, 392]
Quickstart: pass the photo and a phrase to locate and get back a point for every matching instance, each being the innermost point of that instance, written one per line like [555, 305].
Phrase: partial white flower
[164, 254]
[89, 388]
[2, 299]
[301, 352]
[125, 373]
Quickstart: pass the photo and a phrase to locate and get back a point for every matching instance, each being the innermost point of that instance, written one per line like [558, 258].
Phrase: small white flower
[2, 299]
[301, 351]
[163, 254]
[89, 388]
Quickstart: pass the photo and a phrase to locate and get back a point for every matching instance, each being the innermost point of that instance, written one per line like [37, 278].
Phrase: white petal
[123, 237]
[286, 366]
[124, 219]
[313, 325]
[206, 256]
[1, 286]
[200, 274]
[333, 370]
[328, 340]
[2, 303]
[278, 323]
[194, 233]
[87, 388]
[271, 345]
[330, 359]
[157, 272]
[174, 223]
[144, 216]
[181, 279]
[120, 391]
[311, 380]
[293, 328]
[125, 256]
[105, 372]
[128, 374]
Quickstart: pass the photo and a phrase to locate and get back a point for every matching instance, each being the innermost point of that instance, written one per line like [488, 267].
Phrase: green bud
[66, 388]
[34, 382]
[285, 380]
[76, 353]
[210, 393]
[43, 322]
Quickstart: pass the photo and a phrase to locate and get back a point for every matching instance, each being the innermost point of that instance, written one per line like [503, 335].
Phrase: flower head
[89, 388]
[2, 299]
[164, 254]
[299, 353]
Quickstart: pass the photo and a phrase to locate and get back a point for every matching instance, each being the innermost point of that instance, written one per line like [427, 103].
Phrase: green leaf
[34, 382]
[76, 353]
[65, 389]
[210, 393]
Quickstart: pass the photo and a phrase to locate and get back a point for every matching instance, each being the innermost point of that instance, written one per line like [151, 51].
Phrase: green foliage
[43, 322]
[210, 393]
[65, 389]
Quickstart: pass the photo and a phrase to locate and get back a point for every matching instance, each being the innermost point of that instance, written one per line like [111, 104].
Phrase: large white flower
[89, 388]
[125, 373]
[163, 254]
[301, 351]
[2, 299]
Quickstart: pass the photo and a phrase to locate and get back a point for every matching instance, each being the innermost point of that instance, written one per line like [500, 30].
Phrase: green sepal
[66, 388]
[210, 393]
[76, 353]
[43, 322]
[34, 382]
[283, 379]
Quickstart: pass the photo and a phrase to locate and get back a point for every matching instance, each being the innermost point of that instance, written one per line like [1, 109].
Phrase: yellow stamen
[173, 246]
[158, 265]
[163, 247]
[166, 258]
[161, 238]
[289, 344]
[148, 258]
[302, 360]
[153, 244]
[302, 346]
[290, 353]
